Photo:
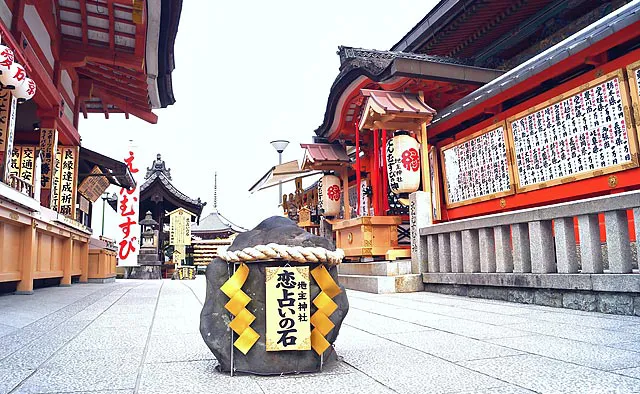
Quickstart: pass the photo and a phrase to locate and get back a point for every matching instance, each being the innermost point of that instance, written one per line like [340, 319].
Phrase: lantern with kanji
[329, 192]
[25, 91]
[14, 76]
[403, 163]
[6, 58]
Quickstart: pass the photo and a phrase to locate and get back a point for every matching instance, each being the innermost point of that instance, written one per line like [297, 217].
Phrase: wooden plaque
[477, 168]
[434, 176]
[633, 72]
[583, 133]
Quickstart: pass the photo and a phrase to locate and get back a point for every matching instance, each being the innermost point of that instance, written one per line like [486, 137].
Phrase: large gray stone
[214, 319]
[617, 304]
[580, 301]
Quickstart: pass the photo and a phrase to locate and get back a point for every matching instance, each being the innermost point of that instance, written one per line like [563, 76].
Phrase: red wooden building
[85, 56]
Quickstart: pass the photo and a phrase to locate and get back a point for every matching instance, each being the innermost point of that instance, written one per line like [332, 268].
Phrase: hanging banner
[128, 212]
[68, 181]
[7, 125]
[14, 161]
[48, 147]
[55, 181]
[27, 163]
[94, 185]
[180, 227]
[287, 309]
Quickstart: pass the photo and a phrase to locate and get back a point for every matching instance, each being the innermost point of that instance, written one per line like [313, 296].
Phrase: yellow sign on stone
[288, 309]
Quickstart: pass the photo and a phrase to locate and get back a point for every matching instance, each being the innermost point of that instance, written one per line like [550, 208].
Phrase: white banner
[128, 214]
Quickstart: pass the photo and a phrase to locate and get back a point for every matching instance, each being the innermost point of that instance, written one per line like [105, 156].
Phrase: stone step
[377, 268]
[383, 284]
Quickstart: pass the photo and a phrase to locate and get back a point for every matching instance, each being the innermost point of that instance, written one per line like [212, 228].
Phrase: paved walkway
[136, 336]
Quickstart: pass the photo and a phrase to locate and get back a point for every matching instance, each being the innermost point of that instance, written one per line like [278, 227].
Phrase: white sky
[247, 72]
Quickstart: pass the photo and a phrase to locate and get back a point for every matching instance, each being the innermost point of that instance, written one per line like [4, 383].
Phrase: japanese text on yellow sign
[287, 308]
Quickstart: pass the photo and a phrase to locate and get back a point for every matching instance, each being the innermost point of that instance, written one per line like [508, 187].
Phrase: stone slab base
[585, 300]
[102, 280]
[383, 284]
[377, 268]
[143, 272]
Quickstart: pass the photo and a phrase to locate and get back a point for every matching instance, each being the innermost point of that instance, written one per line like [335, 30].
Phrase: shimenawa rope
[299, 254]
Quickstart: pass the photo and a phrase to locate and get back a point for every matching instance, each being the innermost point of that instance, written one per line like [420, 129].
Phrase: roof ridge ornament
[158, 165]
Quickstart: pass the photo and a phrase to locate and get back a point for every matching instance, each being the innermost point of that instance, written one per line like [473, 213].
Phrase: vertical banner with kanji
[287, 309]
[48, 147]
[128, 212]
[27, 163]
[14, 161]
[55, 180]
[68, 181]
[8, 105]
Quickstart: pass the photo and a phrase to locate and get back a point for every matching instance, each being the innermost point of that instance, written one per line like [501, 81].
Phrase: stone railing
[535, 256]
[538, 240]
[22, 185]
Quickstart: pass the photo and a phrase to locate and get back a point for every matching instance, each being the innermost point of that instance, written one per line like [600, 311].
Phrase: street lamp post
[280, 146]
[106, 197]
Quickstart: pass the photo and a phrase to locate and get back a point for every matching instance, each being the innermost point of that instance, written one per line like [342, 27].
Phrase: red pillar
[375, 174]
[385, 182]
[357, 169]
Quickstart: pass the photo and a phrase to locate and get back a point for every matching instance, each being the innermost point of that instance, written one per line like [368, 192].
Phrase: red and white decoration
[13, 76]
[128, 208]
[329, 192]
[403, 163]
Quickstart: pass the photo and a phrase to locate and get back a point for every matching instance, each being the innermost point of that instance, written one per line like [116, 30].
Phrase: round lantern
[403, 163]
[14, 76]
[6, 58]
[329, 192]
[25, 91]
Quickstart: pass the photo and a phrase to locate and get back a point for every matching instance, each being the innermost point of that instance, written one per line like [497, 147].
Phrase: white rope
[299, 254]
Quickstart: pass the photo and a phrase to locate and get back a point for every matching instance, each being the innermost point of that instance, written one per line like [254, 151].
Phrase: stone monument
[283, 236]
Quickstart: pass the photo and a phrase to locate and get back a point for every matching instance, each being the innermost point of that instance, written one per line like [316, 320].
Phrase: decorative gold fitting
[503, 203]
[350, 238]
[613, 181]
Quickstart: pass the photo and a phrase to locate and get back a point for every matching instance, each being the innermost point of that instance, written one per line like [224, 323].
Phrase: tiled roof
[215, 222]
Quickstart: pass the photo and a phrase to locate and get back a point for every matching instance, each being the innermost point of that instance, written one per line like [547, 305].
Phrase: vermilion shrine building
[86, 56]
[515, 107]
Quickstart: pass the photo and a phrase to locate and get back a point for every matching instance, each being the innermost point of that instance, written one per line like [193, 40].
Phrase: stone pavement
[142, 336]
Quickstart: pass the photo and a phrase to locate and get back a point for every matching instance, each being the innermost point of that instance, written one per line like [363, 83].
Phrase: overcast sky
[247, 72]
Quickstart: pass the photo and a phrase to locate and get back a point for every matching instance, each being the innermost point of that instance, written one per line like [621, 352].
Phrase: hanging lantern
[403, 163]
[6, 58]
[14, 76]
[25, 91]
[329, 192]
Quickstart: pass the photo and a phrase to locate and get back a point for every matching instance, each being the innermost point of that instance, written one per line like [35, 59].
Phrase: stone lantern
[149, 246]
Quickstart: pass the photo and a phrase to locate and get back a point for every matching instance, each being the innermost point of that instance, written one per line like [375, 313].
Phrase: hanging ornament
[329, 192]
[403, 163]
[6, 58]
[25, 91]
[14, 76]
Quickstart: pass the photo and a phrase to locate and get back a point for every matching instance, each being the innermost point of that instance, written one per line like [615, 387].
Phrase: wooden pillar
[67, 261]
[357, 172]
[345, 192]
[375, 174]
[8, 107]
[84, 262]
[28, 259]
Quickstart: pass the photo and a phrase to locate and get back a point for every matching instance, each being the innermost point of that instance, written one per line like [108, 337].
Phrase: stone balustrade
[536, 248]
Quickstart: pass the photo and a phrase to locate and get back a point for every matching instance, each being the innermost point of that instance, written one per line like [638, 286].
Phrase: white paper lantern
[403, 163]
[14, 76]
[25, 91]
[6, 58]
[329, 192]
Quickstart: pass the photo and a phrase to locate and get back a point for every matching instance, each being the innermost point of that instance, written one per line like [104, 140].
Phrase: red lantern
[403, 163]
[329, 192]
[14, 76]
[6, 58]
[25, 91]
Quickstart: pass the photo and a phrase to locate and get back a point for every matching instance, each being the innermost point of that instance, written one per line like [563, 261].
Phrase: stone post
[470, 251]
[487, 250]
[419, 216]
[543, 257]
[565, 239]
[504, 257]
[433, 253]
[444, 252]
[590, 247]
[455, 244]
[521, 248]
[618, 243]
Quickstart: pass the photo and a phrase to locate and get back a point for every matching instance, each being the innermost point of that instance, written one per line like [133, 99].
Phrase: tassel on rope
[238, 301]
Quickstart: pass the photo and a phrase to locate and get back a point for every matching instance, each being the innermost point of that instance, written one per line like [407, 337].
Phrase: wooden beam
[112, 29]
[111, 84]
[83, 17]
[76, 54]
[144, 114]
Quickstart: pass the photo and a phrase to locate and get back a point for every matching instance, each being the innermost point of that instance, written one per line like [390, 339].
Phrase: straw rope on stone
[299, 254]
